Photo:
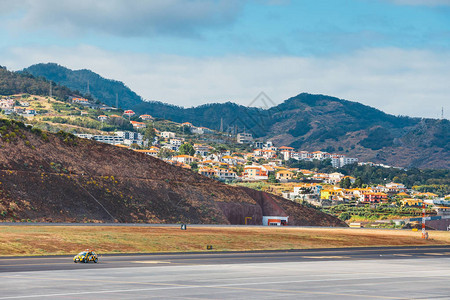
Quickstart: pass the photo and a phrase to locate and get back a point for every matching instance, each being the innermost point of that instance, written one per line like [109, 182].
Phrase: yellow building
[327, 194]
[411, 202]
[284, 175]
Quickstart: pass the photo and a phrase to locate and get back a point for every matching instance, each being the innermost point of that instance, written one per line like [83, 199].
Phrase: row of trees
[411, 177]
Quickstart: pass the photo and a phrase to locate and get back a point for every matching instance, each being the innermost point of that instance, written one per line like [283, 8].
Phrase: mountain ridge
[309, 122]
[80, 80]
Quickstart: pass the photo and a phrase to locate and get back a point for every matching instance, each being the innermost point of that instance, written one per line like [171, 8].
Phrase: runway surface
[383, 273]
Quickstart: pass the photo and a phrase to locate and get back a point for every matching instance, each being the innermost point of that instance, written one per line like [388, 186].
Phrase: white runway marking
[151, 262]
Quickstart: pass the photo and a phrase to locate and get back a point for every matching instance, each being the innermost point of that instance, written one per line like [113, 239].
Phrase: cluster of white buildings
[269, 151]
[9, 106]
[127, 138]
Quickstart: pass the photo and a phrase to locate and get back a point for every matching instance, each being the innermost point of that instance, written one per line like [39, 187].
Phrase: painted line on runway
[151, 262]
[326, 257]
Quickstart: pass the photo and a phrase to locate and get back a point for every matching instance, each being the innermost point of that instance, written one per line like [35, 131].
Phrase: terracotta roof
[285, 172]
[185, 156]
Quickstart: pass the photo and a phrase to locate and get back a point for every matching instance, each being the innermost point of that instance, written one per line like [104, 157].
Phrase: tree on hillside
[185, 130]
[239, 169]
[358, 183]
[164, 153]
[194, 166]
[187, 149]
[149, 133]
[272, 178]
[345, 183]
[221, 148]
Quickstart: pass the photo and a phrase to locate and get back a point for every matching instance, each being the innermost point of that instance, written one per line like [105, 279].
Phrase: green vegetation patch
[378, 138]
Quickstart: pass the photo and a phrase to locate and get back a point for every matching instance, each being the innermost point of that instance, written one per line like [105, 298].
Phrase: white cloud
[123, 18]
[396, 81]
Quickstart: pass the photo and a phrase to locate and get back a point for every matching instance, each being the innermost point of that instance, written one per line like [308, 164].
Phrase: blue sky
[390, 54]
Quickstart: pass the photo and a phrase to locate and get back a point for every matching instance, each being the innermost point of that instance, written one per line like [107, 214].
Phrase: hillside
[322, 122]
[60, 178]
[308, 122]
[54, 115]
[99, 87]
[14, 83]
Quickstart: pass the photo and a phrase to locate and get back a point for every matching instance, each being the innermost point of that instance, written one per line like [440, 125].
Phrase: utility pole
[117, 100]
[221, 124]
[50, 93]
[88, 92]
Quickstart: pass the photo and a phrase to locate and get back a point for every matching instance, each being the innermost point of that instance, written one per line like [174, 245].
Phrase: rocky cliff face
[61, 178]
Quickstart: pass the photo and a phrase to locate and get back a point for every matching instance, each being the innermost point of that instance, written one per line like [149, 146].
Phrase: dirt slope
[60, 178]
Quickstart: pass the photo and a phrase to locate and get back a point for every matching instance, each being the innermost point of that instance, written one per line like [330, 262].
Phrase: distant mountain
[15, 83]
[100, 88]
[319, 122]
[309, 122]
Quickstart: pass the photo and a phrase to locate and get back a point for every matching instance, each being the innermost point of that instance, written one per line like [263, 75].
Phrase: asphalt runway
[383, 273]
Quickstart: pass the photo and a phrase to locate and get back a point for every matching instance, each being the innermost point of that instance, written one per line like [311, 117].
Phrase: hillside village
[264, 159]
[230, 157]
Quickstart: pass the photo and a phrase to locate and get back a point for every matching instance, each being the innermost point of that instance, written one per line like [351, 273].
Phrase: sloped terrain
[318, 122]
[307, 122]
[15, 83]
[60, 178]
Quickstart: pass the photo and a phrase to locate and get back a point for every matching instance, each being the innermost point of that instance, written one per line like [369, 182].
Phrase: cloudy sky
[390, 54]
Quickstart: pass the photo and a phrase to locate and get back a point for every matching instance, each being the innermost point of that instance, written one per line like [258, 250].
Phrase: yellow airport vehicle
[86, 256]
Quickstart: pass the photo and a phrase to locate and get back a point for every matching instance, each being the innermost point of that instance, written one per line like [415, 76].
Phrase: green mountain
[14, 83]
[100, 88]
[308, 122]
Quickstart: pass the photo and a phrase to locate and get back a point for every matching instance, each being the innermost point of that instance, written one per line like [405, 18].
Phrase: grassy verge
[58, 240]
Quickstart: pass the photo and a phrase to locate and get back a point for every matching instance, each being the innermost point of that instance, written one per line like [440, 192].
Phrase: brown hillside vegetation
[60, 178]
